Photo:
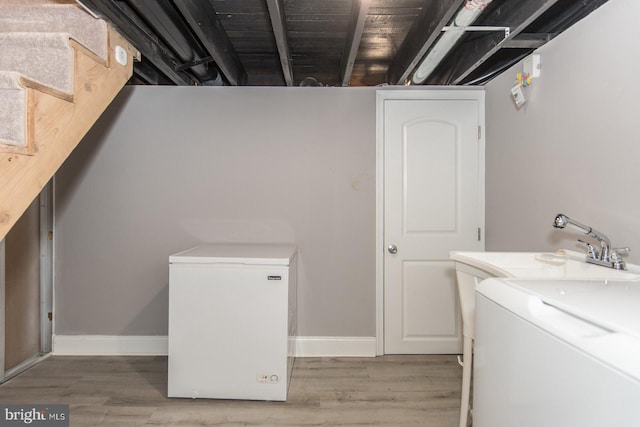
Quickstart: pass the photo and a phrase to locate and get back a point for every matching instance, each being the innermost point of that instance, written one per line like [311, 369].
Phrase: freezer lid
[251, 254]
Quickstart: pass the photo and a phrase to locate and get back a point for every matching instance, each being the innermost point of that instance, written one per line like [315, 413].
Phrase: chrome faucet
[605, 256]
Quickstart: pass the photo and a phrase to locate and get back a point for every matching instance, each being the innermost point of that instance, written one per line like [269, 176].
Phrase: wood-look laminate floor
[131, 391]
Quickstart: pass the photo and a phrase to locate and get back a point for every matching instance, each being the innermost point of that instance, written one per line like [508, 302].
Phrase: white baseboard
[128, 345]
[110, 345]
[335, 346]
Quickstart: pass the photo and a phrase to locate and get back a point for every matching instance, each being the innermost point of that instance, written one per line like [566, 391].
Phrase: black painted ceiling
[330, 42]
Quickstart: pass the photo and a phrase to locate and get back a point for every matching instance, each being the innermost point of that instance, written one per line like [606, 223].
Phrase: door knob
[393, 249]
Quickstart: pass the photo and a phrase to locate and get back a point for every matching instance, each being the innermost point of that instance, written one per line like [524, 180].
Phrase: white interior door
[433, 203]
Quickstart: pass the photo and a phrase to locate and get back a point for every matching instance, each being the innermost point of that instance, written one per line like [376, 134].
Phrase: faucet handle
[620, 251]
[591, 251]
[616, 258]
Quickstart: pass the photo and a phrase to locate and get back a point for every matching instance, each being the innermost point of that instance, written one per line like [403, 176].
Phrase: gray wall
[575, 146]
[167, 168]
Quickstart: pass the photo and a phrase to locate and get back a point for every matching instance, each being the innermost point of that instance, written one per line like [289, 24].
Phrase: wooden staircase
[60, 67]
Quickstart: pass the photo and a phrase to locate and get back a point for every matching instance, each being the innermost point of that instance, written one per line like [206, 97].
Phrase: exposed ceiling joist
[214, 38]
[527, 41]
[356, 28]
[336, 42]
[150, 47]
[279, 24]
[473, 53]
[566, 13]
[148, 74]
[424, 32]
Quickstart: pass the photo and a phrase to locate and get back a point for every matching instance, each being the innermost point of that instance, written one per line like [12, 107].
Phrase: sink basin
[562, 264]
[473, 267]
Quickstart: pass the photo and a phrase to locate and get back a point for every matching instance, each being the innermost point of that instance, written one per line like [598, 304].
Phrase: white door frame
[456, 92]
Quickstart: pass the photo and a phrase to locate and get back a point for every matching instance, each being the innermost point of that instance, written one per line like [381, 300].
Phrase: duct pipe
[464, 18]
[162, 16]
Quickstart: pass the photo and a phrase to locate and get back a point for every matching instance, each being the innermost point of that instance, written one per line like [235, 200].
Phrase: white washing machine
[232, 317]
[559, 353]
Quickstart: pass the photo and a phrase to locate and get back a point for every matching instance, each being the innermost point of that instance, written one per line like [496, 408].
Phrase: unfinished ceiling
[334, 42]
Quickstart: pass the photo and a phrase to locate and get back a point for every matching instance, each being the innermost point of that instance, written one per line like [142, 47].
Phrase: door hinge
[479, 234]
[50, 235]
[479, 133]
[50, 316]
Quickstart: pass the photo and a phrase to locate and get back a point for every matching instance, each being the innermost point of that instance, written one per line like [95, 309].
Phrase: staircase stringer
[58, 125]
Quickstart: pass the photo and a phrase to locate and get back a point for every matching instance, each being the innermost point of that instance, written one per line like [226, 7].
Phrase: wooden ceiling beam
[214, 38]
[423, 34]
[356, 28]
[279, 24]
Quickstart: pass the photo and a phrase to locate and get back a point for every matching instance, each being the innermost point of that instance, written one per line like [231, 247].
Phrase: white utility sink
[473, 267]
[562, 264]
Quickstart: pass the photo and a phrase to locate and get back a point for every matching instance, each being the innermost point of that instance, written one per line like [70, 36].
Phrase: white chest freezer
[559, 353]
[232, 312]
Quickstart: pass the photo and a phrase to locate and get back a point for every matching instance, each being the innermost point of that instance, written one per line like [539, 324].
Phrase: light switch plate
[518, 96]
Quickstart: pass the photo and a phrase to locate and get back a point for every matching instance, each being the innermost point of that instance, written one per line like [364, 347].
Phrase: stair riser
[13, 107]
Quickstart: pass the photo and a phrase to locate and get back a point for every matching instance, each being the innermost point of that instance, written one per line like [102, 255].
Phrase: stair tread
[43, 16]
[45, 58]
